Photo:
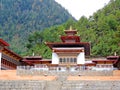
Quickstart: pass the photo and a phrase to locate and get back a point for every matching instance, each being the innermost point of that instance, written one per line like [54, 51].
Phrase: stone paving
[11, 75]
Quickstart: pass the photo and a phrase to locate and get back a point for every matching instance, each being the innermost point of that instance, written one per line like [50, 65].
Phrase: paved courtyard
[11, 75]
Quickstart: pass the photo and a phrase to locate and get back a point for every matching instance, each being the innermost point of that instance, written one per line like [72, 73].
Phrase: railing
[43, 67]
[64, 71]
[58, 68]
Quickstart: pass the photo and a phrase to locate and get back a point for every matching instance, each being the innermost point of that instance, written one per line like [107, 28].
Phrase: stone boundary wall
[21, 85]
[57, 85]
[91, 85]
[22, 72]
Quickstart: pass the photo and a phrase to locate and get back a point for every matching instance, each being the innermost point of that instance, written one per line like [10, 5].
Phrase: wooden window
[67, 60]
[71, 60]
[64, 60]
[75, 60]
[60, 60]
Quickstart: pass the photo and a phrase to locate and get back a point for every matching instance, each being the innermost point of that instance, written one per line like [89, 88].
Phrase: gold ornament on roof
[70, 27]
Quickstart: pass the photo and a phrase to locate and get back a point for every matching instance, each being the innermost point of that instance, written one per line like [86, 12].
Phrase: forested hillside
[102, 30]
[19, 18]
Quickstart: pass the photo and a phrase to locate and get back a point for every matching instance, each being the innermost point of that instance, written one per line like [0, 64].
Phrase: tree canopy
[102, 31]
[19, 18]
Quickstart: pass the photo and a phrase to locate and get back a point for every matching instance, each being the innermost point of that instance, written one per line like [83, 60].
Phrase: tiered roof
[3, 43]
[70, 40]
[6, 50]
[70, 36]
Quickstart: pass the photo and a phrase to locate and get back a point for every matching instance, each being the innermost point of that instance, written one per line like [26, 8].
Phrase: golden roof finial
[70, 27]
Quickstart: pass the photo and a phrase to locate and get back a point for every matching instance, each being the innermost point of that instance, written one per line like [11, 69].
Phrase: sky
[80, 8]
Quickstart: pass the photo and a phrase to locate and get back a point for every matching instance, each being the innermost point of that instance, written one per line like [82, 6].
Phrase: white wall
[55, 58]
[81, 58]
[0, 59]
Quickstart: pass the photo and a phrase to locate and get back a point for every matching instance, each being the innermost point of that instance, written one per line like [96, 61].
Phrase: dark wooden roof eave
[51, 45]
[33, 57]
[113, 61]
[103, 60]
[70, 31]
[13, 53]
[93, 64]
[36, 60]
[86, 45]
[76, 38]
[4, 42]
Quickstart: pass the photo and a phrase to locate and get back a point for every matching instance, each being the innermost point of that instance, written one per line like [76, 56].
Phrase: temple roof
[66, 50]
[4, 43]
[112, 57]
[76, 38]
[66, 45]
[101, 60]
[112, 61]
[33, 57]
[70, 31]
[12, 53]
[61, 44]
[35, 60]
[70, 41]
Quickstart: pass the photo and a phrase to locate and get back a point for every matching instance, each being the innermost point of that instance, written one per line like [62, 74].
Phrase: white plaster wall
[55, 58]
[81, 58]
[0, 59]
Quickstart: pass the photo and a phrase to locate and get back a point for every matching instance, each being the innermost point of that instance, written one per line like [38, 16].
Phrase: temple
[70, 51]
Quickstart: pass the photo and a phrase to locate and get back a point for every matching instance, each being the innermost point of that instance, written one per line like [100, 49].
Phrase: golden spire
[70, 27]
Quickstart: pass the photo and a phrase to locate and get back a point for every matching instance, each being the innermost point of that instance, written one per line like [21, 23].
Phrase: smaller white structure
[55, 58]
[81, 58]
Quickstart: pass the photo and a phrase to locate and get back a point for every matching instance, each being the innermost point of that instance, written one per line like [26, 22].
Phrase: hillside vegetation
[19, 18]
[102, 30]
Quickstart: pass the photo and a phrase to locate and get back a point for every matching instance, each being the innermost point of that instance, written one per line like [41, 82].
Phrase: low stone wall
[22, 85]
[91, 85]
[22, 72]
[57, 85]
